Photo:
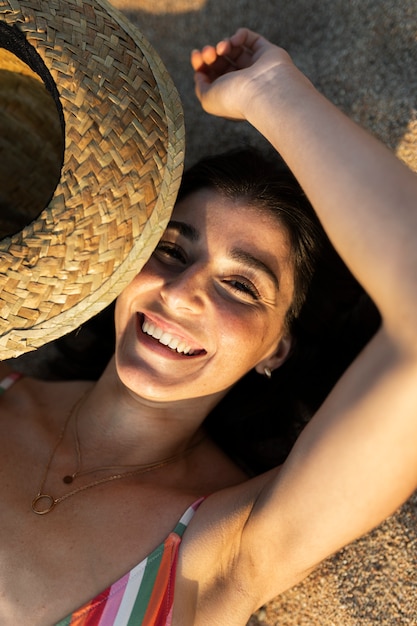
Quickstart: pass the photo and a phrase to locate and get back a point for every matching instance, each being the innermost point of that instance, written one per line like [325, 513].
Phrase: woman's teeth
[166, 338]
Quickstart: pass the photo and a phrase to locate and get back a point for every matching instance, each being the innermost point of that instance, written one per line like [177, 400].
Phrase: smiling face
[210, 303]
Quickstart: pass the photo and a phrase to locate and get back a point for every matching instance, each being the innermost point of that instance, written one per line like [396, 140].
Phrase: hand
[227, 74]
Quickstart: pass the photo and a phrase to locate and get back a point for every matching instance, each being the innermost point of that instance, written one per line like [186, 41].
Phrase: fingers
[208, 62]
[201, 84]
[242, 42]
[217, 70]
[240, 45]
[197, 62]
[246, 38]
[202, 58]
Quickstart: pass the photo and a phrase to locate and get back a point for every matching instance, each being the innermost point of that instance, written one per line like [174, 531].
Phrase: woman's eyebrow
[184, 229]
[243, 256]
[237, 254]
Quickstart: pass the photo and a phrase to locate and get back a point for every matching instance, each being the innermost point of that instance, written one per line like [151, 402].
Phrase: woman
[234, 263]
[210, 305]
[237, 256]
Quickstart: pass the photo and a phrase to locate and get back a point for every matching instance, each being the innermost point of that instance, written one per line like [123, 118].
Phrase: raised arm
[356, 462]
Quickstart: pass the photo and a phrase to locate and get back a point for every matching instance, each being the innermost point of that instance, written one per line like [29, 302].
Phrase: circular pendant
[42, 508]
[68, 479]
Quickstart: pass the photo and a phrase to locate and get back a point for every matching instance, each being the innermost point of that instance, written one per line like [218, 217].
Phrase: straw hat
[87, 102]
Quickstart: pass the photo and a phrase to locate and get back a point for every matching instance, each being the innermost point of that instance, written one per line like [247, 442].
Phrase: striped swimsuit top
[142, 597]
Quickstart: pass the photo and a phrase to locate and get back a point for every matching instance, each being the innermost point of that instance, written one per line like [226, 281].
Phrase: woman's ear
[271, 363]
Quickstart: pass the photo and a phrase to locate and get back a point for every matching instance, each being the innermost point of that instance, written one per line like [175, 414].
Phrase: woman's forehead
[209, 203]
[238, 224]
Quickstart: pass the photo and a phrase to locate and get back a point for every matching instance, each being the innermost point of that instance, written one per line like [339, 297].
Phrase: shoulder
[29, 392]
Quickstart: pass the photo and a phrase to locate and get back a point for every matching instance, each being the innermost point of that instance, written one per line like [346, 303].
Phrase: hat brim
[122, 165]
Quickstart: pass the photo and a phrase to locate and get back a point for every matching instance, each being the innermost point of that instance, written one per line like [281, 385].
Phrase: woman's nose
[186, 290]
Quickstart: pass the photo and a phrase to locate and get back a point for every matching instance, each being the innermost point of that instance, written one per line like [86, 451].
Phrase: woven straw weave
[124, 152]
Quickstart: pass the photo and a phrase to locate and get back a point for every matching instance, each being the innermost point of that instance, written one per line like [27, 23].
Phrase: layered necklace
[44, 503]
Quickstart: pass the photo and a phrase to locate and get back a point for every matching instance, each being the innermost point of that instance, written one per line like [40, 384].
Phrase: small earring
[268, 373]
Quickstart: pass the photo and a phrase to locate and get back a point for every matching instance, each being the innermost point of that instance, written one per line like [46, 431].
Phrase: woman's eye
[243, 287]
[169, 252]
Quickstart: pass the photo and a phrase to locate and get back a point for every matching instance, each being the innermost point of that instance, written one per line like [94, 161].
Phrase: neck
[115, 426]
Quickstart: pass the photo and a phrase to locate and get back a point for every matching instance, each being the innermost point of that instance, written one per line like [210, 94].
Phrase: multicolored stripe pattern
[144, 596]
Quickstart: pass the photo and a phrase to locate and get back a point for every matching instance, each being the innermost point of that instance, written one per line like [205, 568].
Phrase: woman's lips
[174, 342]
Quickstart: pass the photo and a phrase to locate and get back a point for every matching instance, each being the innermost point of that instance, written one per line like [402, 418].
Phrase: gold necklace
[49, 502]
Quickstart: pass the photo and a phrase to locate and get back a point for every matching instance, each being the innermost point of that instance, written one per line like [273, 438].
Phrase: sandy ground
[363, 55]
[360, 53]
